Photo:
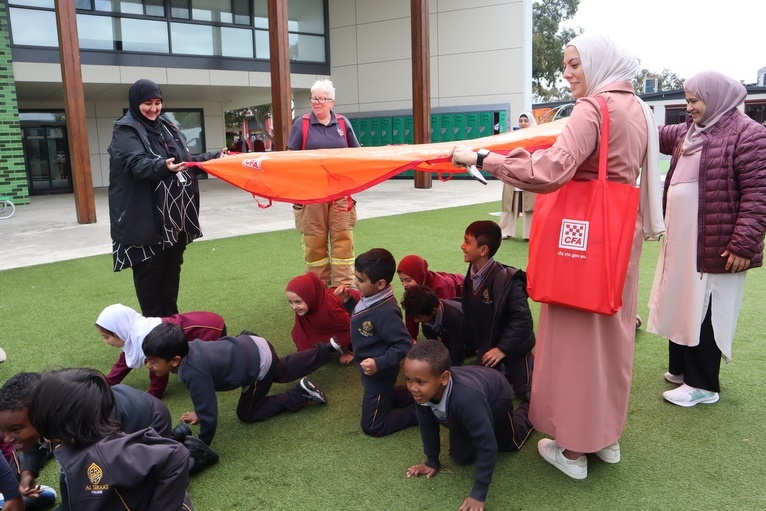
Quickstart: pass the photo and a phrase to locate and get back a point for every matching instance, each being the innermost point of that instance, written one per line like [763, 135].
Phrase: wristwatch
[480, 155]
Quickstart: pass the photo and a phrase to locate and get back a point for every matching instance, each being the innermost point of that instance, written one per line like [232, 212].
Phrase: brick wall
[13, 172]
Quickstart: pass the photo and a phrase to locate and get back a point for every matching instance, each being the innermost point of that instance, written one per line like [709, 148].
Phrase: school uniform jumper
[378, 332]
[481, 421]
[249, 362]
[449, 327]
[498, 315]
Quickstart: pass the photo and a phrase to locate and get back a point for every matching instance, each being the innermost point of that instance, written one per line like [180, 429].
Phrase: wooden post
[281, 91]
[74, 107]
[421, 82]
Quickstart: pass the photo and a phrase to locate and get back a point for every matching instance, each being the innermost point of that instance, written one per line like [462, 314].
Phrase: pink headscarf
[720, 95]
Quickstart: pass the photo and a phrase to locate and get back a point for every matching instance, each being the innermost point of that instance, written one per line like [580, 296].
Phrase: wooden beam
[421, 82]
[74, 107]
[281, 91]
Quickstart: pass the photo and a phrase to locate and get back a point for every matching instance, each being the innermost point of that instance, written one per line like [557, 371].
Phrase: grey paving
[47, 231]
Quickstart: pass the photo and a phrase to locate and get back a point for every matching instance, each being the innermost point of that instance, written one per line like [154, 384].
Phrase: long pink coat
[584, 361]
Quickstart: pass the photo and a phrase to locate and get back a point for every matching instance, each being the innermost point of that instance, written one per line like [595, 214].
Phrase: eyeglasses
[321, 101]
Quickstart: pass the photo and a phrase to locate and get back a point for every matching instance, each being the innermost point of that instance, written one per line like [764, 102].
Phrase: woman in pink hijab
[715, 218]
[584, 360]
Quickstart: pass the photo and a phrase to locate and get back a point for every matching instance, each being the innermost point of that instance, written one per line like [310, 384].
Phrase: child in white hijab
[122, 327]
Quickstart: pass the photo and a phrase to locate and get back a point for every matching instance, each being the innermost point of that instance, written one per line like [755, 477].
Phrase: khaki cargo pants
[328, 239]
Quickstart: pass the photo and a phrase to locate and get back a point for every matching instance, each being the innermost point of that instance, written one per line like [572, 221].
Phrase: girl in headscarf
[715, 218]
[319, 315]
[413, 271]
[583, 360]
[122, 327]
[153, 200]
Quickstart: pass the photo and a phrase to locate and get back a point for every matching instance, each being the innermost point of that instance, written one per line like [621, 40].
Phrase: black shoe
[247, 332]
[202, 455]
[312, 392]
[180, 432]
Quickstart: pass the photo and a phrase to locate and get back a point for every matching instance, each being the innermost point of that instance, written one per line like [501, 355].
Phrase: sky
[684, 36]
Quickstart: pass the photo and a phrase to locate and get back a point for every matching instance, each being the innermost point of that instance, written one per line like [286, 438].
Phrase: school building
[213, 56]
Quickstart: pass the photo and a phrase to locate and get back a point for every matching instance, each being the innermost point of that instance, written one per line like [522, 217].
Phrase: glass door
[47, 157]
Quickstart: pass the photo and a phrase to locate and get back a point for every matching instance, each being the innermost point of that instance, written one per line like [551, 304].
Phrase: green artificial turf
[702, 458]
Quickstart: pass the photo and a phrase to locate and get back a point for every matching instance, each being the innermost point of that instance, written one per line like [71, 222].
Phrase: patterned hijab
[326, 317]
[720, 95]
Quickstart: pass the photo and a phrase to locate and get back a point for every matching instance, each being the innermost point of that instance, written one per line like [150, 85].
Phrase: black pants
[386, 407]
[699, 364]
[518, 371]
[255, 405]
[512, 428]
[158, 279]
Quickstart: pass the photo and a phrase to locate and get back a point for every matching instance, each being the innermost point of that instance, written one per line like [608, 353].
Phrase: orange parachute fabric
[321, 175]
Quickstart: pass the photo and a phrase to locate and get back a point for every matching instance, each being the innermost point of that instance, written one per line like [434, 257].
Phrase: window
[33, 3]
[190, 123]
[675, 114]
[96, 32]
[192, 39]
[756, 111]
[34, 28]
[144, 36]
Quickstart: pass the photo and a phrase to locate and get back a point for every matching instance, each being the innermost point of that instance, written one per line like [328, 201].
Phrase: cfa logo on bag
[574, 234]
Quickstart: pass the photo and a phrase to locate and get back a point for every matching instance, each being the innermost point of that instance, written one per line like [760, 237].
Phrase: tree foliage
[548, 40]
[234, 118]
[666, 80]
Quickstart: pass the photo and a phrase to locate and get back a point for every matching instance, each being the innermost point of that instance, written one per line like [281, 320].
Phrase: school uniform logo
[95, 473]
[340, 132]
[367, 329]
[485, 297]
[574, 234]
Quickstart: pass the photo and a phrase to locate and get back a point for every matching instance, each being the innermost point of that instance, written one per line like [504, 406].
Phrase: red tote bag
[581, 239]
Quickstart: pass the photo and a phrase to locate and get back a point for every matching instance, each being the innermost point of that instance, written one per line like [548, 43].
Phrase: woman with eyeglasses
[327, 228]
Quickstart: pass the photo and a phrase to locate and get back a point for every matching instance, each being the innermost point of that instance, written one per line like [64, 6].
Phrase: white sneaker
[553, 454]
[610, 453]
[689, 396]
[678, 379]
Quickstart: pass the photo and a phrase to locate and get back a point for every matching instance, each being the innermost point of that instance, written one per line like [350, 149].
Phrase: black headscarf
[143, 90]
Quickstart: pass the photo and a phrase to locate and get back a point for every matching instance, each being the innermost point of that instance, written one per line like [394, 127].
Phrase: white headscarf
[131, 327]
[528, 115]
[604, 63]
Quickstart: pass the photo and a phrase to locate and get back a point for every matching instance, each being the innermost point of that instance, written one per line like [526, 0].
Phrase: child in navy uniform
[245, 361]
[134, 410]
[496, 308]
[440, 319]
[475, 403]
[102, 467]
[122, 327]
[380, 341]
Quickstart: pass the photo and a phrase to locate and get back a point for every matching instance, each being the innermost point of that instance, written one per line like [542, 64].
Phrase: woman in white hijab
[584, 361]
[516, 200]
[715, 218]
